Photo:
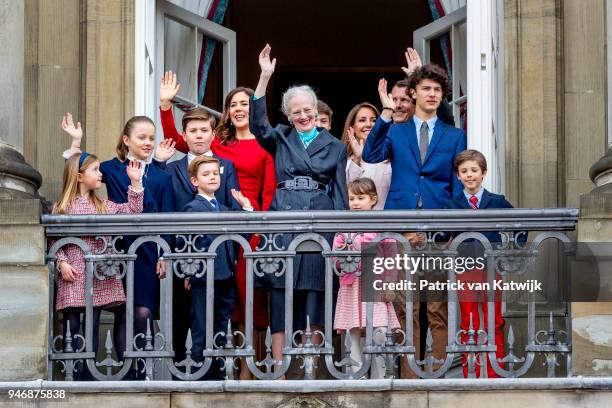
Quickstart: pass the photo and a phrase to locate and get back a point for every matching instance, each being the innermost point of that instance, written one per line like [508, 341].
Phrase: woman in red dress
[255, 169]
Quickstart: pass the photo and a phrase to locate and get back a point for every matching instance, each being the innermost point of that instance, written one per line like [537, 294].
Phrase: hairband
[82, 158]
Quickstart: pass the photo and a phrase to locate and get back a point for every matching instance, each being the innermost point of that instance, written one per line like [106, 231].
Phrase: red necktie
[474, 202]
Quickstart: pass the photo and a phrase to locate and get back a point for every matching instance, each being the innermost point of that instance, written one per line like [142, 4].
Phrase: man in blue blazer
[421, 152]
[422, 149]
[205, 176]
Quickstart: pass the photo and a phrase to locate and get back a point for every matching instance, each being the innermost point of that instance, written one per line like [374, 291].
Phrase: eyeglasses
[298, 113]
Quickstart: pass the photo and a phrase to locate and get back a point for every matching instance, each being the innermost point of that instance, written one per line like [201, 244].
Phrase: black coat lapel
[319, 142]
[293, 139]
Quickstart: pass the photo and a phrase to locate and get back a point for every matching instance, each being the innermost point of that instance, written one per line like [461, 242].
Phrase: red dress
[255, 171]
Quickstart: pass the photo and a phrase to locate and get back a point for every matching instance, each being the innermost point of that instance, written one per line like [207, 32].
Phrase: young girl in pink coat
[350, 309]
[82, 177]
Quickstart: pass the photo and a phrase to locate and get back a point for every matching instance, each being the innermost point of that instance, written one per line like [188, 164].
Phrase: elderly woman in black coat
[310, 171]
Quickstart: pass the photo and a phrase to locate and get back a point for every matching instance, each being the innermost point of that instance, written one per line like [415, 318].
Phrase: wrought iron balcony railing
[307, 229]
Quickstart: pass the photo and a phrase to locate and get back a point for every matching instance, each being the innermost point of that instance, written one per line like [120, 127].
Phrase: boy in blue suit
[198, 125]
[205, 175]
[421, 152]
[471, 168]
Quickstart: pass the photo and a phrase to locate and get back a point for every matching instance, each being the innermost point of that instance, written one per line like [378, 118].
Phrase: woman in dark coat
[310, 174]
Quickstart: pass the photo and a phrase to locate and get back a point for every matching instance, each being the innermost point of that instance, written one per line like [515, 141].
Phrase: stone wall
[354, 394]
[555, 99]
[24, 292]
[79, 57]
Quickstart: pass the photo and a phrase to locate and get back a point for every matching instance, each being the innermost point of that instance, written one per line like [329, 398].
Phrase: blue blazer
[185, 191]
[488, 201]
[434, 180]
[158, 197]
[225, 260]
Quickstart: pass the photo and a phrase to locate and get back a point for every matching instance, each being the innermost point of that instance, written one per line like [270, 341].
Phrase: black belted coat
[324, 160]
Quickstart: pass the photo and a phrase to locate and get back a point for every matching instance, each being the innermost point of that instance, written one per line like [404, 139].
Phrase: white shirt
[478, 195]
[431, 124]
[209, 198]
[191, 156]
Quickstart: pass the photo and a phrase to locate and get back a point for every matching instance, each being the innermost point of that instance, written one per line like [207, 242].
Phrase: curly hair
[432, 72]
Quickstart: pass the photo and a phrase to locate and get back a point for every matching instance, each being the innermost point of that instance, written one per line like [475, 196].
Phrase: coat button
[422, 177]
[287, 207]
[291, 169]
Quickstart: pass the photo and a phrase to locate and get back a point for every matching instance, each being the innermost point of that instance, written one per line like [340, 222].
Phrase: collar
[431, 123]
[191, 156]
[207, 197]
[308, 137]
[143, 162]
[478, 195]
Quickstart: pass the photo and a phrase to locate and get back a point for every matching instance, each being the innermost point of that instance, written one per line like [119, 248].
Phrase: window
[169, 36]
[475, 66]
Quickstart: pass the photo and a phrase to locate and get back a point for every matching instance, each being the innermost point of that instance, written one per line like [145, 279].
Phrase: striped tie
[474, 202]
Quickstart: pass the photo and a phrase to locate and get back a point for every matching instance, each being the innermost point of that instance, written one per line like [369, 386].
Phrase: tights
[72, 316]
[142, 314]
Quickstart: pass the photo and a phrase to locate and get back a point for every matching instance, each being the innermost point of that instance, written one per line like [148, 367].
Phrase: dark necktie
[474, 202]
[424, 141]
[215, 204]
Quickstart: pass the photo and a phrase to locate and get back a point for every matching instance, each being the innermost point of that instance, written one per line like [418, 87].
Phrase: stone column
[17, 178]
[24, 289]
[592, 322]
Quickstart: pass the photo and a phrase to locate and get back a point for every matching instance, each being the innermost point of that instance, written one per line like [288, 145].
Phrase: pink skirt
[351, 312]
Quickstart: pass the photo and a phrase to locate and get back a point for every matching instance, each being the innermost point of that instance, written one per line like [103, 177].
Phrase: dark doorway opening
[340, 48]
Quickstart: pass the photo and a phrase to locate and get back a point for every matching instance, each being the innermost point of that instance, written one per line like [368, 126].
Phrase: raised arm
[267, 69]
[258, 112]
[135, 194]
[168, 89]
[378, 147]
[413, 61]
[75, 132]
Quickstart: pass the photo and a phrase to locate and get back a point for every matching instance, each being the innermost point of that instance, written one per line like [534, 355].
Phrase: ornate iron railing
[308, 229]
